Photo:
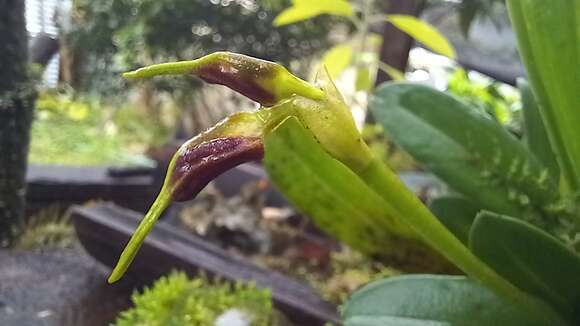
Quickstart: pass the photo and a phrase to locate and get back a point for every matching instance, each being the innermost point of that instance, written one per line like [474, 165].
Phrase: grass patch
[81, 131]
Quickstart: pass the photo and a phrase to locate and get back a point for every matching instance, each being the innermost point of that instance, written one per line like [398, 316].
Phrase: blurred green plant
[492, 97]
[54, 104]
[177, 300]
[350, 271]
[378, 142]
[112, 36]
[82, 131]
[360, 50]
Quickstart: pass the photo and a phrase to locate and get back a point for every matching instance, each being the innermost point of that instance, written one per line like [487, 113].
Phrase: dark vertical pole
[396, 44]
[16, 108]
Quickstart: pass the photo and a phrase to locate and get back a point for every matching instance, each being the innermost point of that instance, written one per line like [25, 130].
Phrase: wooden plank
[66, 185]
[129, 187]
[104, 230]
[83, 183]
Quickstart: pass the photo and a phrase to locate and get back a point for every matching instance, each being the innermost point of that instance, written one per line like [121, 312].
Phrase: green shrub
[498, 100]
[177, 300]
[77, 130]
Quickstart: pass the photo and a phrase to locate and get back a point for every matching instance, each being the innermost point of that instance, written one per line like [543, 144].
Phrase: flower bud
[196, 167]
[262, 81]
[329, 120]
[235, 140]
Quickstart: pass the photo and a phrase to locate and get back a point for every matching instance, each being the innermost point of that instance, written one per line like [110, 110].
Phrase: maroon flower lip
[239, 76]
[195, 167]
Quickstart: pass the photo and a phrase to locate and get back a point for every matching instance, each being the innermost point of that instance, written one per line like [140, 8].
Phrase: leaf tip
[130, 75]
[114, 277]
[278, 22]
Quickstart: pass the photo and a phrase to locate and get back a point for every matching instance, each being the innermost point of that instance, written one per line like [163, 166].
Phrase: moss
[177, 300]
[349, 270]
[50, 228]
[389, 152]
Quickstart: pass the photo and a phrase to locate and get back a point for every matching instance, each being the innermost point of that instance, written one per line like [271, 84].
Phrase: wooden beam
[104, 230]
[66, 185]
[396, 44]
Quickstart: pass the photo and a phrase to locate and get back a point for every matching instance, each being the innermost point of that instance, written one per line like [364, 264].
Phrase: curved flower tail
[263, 81]
[235, 140]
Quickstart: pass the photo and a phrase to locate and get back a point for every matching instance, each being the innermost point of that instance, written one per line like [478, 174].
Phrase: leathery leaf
[335, 197]
[531, 259]
[471, 152]
[548, 34]
[431, 300]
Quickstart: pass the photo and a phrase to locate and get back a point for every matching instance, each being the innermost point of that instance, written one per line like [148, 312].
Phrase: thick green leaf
[424, 33]
[548, 34]
[389, 321]
[467, 149]
[535, 131]
[428, 300]
[337, 59]
[531, 259]
[456, 213]
[332, 195]
[341, 203]
[306, 9]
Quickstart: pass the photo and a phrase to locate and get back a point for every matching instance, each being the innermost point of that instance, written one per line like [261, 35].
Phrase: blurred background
[101, 145]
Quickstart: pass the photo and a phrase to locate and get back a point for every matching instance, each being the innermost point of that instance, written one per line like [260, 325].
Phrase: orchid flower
[239, 137]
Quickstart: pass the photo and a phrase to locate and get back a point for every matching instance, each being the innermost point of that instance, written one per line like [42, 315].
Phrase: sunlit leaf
[424, 33]
[302, 10]
[295, 14]
[337, 59]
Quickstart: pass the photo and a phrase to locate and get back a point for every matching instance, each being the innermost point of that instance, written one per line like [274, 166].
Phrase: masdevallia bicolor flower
[239, 137]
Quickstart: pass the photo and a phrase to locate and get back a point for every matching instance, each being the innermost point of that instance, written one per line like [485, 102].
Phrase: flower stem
[161, 203]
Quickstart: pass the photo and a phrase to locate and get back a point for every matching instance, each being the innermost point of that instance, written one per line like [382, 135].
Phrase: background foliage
[84, 131]
[115, 36]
